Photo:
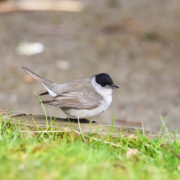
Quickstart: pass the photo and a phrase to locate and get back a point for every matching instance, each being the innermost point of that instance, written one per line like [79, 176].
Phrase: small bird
[81, 98]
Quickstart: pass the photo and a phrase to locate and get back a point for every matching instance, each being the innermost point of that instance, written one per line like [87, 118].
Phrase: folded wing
[75, 99]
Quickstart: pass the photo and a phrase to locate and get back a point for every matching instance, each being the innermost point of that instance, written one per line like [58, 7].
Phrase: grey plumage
[71, 94]
[80, 98]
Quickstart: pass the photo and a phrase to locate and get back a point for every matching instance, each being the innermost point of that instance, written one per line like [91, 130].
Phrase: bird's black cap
[104, 79]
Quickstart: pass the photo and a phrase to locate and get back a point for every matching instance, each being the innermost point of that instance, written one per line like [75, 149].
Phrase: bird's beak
[114, 86]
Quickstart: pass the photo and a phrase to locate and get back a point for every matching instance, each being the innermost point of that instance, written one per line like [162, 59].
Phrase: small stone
[29, 49]
[63, 64]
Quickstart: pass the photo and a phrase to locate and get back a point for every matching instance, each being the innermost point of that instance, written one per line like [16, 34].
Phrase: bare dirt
[136, 42]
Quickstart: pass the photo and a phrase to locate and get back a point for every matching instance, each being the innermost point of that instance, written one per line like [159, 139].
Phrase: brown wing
[75, 99]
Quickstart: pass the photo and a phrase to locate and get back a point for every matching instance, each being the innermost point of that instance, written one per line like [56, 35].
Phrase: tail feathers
[34, 75]
[48, 85]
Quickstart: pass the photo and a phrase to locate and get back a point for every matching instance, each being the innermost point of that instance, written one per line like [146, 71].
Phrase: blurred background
[137, 42]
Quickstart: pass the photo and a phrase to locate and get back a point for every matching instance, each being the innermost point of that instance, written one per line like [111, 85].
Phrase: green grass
[76, 156]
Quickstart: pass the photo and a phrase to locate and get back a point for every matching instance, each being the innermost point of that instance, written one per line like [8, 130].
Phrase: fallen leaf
[29, 79]
[131, 153]
[132, 137]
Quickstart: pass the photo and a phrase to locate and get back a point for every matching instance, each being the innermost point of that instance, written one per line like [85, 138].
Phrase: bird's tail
[47, 84]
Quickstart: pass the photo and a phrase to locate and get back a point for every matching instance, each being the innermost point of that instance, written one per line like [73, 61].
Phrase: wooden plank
[40, 121]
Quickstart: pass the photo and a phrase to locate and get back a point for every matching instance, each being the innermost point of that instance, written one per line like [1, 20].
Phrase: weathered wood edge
[33, 122]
